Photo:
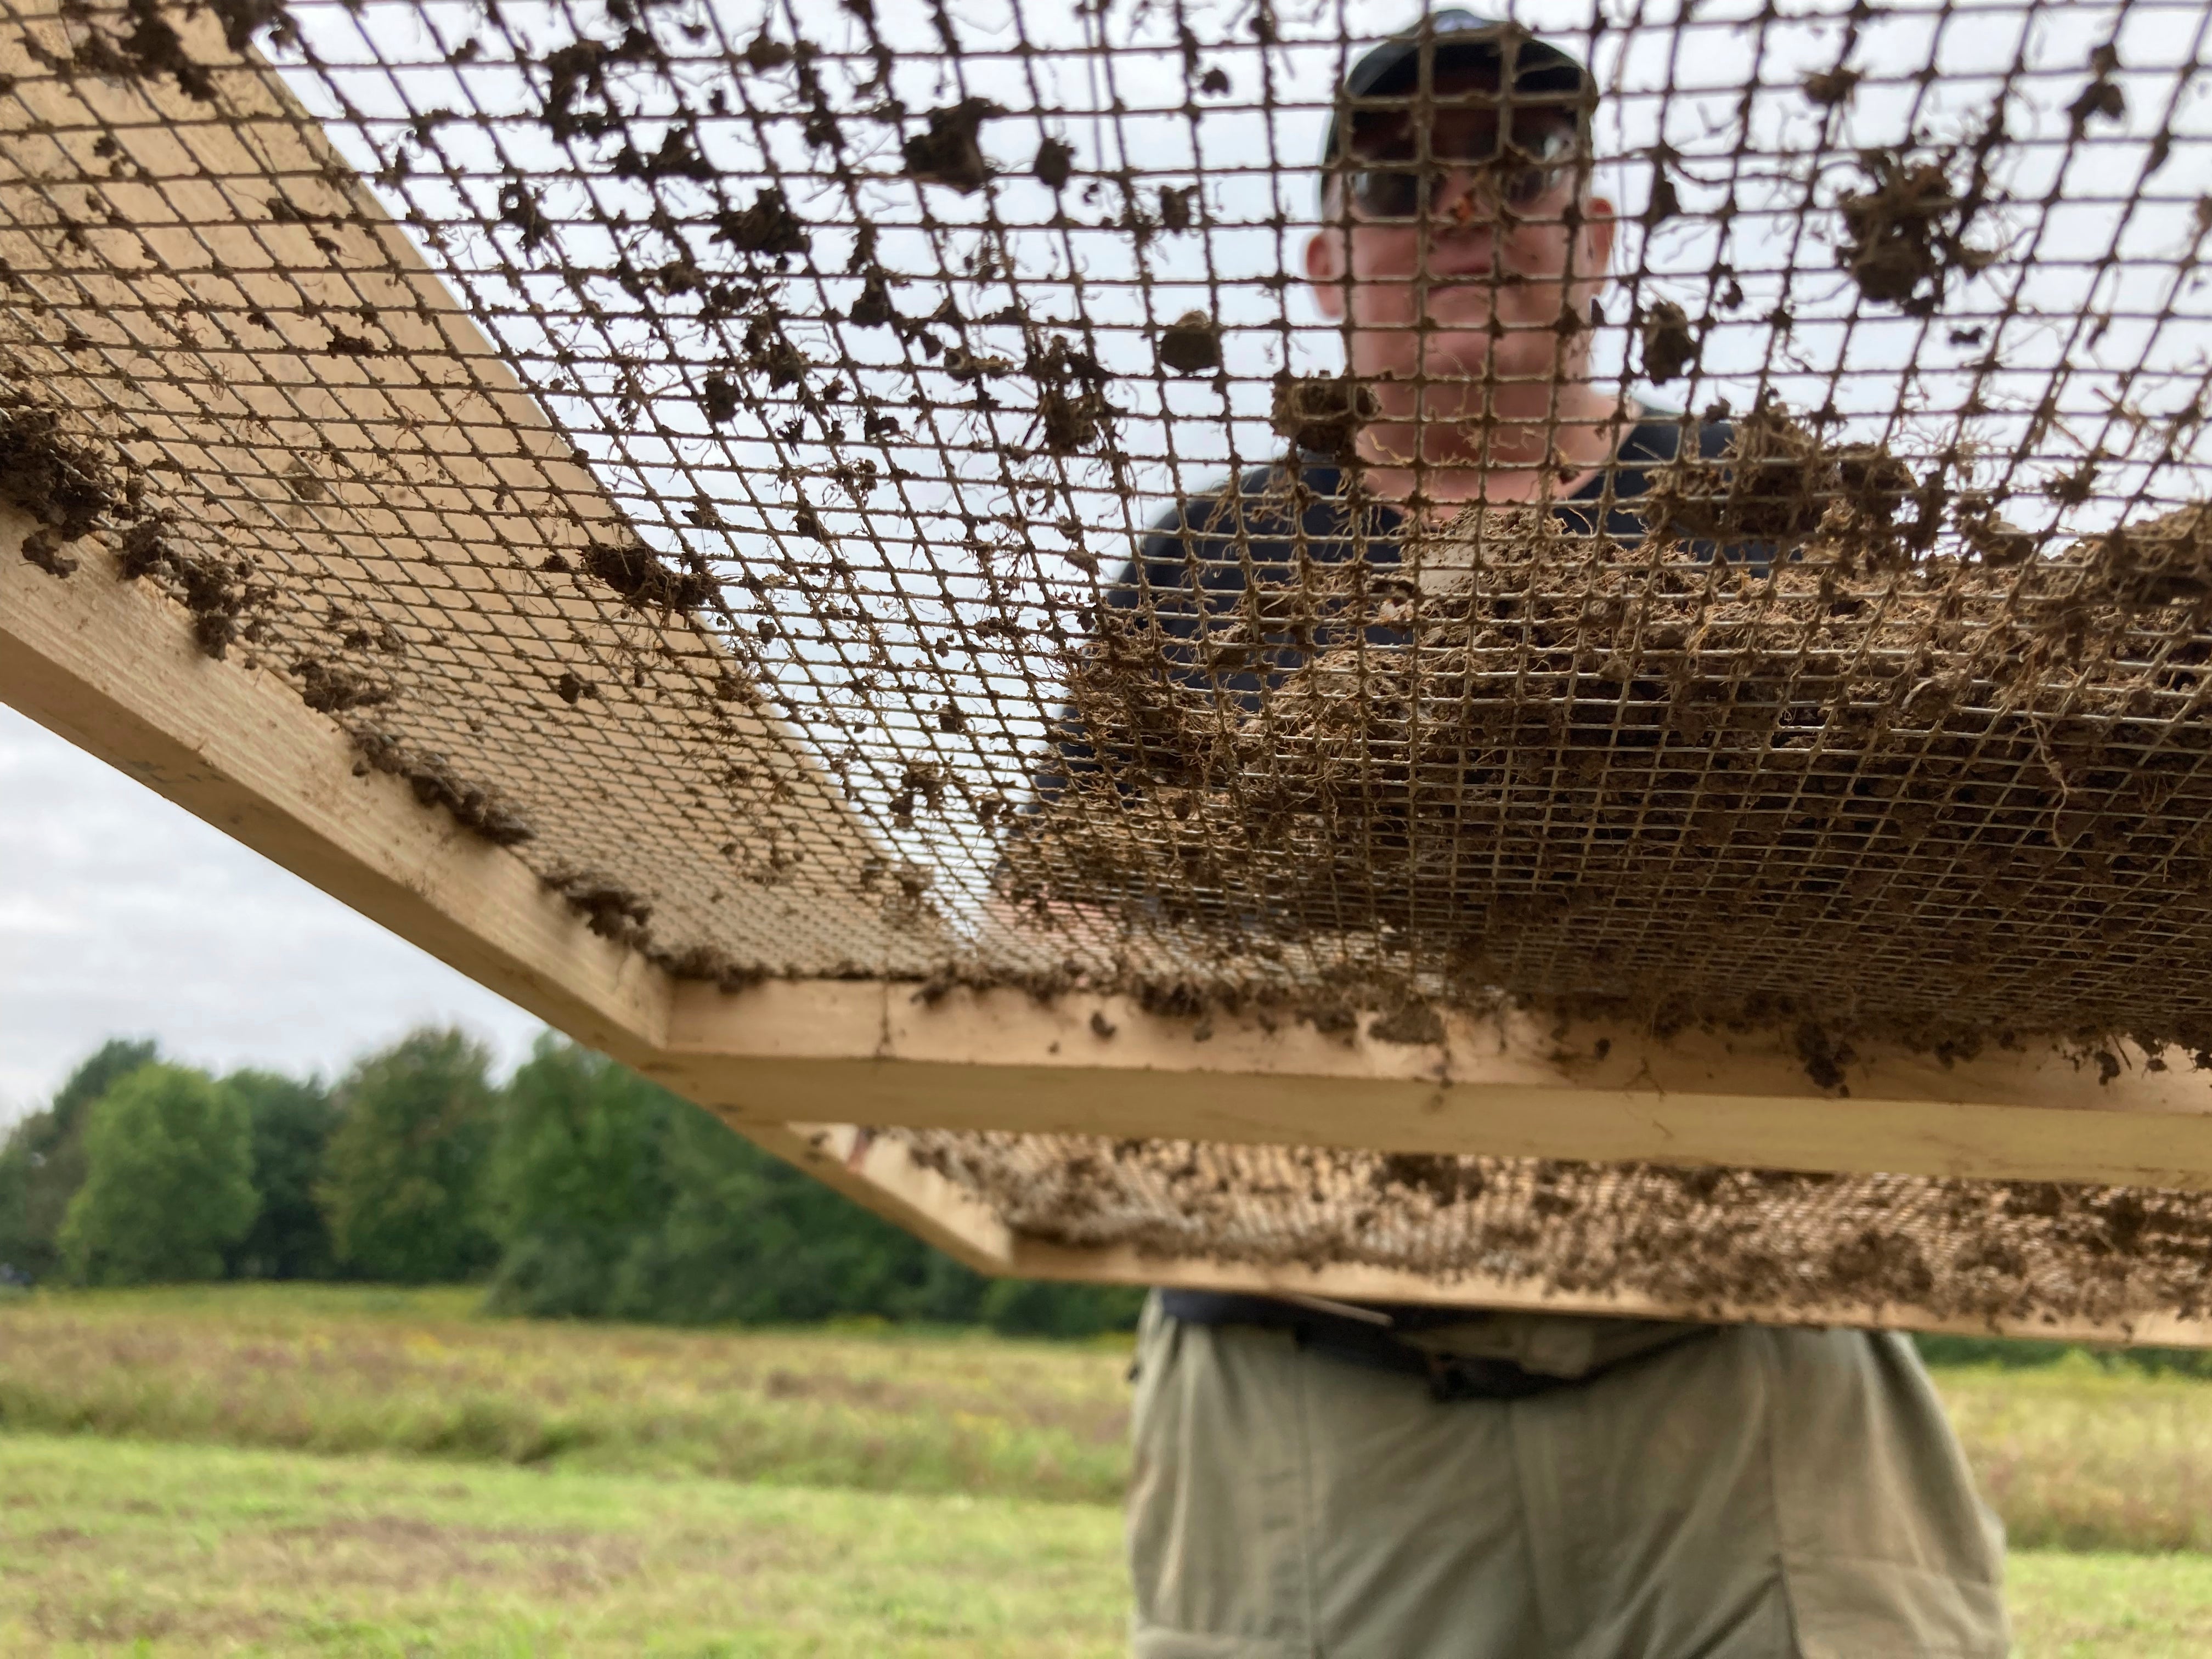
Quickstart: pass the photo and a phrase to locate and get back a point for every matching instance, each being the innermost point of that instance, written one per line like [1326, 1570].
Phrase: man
[1394, 1483]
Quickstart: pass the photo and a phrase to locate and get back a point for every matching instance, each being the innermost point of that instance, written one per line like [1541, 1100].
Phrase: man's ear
[1325, 272]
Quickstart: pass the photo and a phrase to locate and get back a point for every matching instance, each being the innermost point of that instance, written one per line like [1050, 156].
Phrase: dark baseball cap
[1454, 38]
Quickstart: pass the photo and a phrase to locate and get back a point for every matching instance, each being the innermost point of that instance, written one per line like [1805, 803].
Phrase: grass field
[329, 1369]
[258, 1469]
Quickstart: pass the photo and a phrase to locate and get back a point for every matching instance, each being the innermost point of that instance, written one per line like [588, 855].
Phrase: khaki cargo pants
[1746, 1494]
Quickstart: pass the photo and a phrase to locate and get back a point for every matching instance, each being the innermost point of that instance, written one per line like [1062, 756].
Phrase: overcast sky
[121, 914]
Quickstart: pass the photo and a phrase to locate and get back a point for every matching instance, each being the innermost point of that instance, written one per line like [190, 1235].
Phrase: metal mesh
[889, 331]
[1733, 1243]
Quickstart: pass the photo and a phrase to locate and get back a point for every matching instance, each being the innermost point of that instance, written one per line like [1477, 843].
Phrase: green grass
[243, 1468]
[340, 1369]
[110, 1546]
[2110, 1606]
[105, 1546]
[2076, 1457]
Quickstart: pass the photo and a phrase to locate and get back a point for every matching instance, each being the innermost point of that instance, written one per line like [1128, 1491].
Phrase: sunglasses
[1386, 183]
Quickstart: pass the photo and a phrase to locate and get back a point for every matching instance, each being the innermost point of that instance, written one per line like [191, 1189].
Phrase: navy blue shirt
[1191, 576]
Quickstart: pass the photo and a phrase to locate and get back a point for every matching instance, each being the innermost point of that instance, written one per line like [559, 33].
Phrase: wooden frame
[112, 666]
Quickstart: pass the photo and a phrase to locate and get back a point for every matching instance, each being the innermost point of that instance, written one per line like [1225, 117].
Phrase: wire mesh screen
[1689, 511]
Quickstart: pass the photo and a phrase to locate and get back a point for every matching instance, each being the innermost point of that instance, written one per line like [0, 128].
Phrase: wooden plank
[1511, 1085]
[1350, 1282]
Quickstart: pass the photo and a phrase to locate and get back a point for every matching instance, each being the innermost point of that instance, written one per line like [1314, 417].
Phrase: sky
[123, 916]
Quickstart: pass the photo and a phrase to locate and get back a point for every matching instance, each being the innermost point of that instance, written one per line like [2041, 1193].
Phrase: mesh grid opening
[716, 450]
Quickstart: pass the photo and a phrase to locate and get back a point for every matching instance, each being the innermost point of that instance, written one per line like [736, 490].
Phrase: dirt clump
[435, 783]
[951, 153]
[608, 908]
[644, 580]
[242, 20]
[150, 49]
[1323, 414]
[1777, 484]
[1055, 163]
[1072, 413]
[66, 484]
[2167, 562]
[711, 964]
[768, 227]
[227, 597]
[1829, 87]
[1906, 232]
[1412, 1024]
[74, 486]
[2103, 97]
[331, 688]
[1191, 344]
[1669, 347]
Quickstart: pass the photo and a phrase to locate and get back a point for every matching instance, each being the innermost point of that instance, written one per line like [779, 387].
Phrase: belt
[1373, 1341]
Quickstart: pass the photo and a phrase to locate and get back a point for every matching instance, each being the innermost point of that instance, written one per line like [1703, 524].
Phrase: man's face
[1460, 253]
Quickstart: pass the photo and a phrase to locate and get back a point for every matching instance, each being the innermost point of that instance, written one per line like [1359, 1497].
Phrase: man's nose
[1460, 203]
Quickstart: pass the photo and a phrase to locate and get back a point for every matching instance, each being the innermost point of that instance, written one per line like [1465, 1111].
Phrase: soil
[1720, 1242]
[1842, 784]
[768, 227]
[436, 784]
[1072, 413]
[331, 688]
[1055, 164]
[612, 910]
[644, 582]
[1829, 87]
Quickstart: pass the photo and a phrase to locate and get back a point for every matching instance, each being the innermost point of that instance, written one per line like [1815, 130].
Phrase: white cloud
[122, 915]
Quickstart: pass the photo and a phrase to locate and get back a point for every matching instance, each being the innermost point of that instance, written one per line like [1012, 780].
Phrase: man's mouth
[1459, 265]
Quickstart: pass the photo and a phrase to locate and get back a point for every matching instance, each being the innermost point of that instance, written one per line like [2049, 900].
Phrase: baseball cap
[1455, 37]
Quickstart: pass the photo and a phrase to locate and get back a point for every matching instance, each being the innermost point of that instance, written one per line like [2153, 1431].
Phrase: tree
[403, 1179]
[750, 1239]
[168, 1180]
[615, 1198]
[1030, 1307]
[42, 1163]
[292, 1125]
[577, 1181]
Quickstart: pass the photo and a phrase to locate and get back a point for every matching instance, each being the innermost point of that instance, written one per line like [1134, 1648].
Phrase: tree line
[574, 1189]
